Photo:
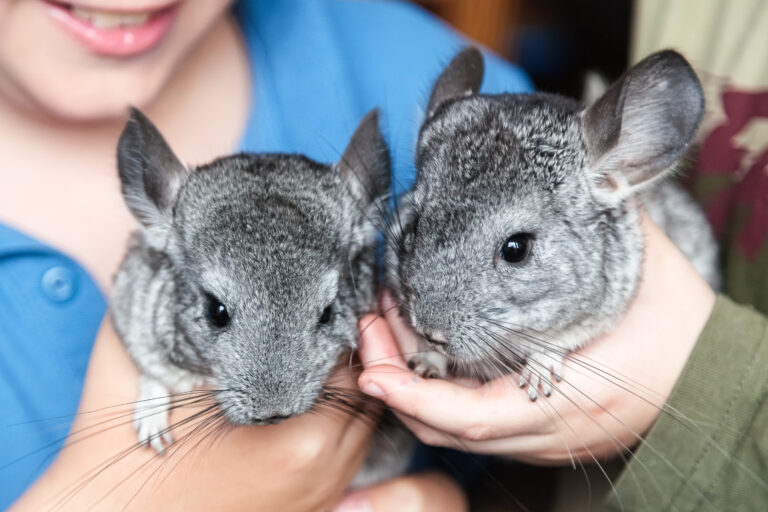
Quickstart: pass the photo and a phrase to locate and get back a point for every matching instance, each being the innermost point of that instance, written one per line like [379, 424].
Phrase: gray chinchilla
[248, 275]
[521, 238]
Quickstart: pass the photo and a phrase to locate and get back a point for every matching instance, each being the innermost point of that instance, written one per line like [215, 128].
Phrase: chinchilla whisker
[622, 447]
[496, 360]
[74, 437]
[507, 363]
[691, 426]
[106, 408]
[379, 317]
[584, 360]
[626, 449]
[387, 358]
[595, 368]
[500, 486]
[162, 462]
[348, 402]
[150, 411]
[588, 368]
[214, 422]
[623, 451]
[94, 473]
[503, 371]
[91, 475]
[574, 460]
[198, 431]
[592, 456]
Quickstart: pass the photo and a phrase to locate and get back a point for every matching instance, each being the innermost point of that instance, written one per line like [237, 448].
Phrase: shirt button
[59, 284]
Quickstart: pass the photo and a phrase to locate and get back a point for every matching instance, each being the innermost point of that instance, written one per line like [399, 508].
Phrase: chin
[58, 75]
[81, 102]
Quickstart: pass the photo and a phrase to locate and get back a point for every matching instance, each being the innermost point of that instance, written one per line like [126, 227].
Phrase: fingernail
[354, 503]
[373, 389]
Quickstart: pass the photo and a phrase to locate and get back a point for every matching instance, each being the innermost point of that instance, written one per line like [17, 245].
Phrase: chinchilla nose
[269, 417]
[431, 327]
[430, 334]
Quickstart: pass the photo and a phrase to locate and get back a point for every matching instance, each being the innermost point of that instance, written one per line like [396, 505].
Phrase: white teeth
[103, 19]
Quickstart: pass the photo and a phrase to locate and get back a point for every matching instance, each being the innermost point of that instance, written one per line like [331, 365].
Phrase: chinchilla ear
[642, 124]
[463, 76]
[150, 174]
[365, 167]
[365, 163]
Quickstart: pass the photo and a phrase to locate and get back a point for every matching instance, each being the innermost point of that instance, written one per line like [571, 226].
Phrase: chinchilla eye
[217, 312]
[326, 316]
[516, 248]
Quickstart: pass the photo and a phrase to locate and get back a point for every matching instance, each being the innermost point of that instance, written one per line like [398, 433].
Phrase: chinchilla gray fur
[248, 275]
[562, 186]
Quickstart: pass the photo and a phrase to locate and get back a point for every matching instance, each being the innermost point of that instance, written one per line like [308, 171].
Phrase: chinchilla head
[262, 250]
[521, 225]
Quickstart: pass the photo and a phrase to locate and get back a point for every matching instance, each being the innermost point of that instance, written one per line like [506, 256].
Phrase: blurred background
[555, 41]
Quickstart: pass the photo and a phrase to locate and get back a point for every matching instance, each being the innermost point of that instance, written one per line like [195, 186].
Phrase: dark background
[555, 41]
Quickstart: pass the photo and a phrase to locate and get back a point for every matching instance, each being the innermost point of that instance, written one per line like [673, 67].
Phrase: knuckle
[410, 496]
[431, 438]
[308, 451]
[477, 432]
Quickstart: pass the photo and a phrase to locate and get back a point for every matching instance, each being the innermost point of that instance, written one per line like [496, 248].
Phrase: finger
[519, 446]
[378, 344]
[352, 411]
[357, 436]
[430, 436]
[407, 339]
[426, 492]
[495, 409]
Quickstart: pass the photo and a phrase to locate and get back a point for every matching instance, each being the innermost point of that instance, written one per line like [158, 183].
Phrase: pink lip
[115, 42]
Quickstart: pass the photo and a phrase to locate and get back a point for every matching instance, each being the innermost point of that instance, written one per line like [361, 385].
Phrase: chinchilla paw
[538, 372]
[430, 365]
[150, 417]
[152, 429]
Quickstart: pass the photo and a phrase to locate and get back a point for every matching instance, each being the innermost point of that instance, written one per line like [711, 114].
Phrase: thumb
[425, 492]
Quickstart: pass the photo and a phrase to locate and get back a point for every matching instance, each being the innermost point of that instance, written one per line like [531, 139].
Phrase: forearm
[709, 447]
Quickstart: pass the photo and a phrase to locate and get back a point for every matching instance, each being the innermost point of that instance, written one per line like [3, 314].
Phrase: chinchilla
[248, 275]
[520, 240]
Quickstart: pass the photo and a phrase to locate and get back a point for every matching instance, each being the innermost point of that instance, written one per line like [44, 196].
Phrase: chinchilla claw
[538, 372]
[533, 394]
[152, 430]
[150, 416]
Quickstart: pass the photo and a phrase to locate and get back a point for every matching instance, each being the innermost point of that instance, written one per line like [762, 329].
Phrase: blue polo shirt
[318, 66]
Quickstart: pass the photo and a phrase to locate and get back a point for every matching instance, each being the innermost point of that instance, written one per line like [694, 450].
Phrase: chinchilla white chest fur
[521, 239]
[248, 275]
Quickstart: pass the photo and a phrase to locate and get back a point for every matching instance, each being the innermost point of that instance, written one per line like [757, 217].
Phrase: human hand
[303, 464]
[612, 392]
[425, 492]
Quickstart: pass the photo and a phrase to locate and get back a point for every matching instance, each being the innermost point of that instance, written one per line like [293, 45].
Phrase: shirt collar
[13, 241]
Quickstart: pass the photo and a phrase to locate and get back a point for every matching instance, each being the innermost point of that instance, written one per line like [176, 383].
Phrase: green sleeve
[709, 451]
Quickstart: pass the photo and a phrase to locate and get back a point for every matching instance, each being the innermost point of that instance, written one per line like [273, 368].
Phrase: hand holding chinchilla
[248, 276]
[530, 232]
